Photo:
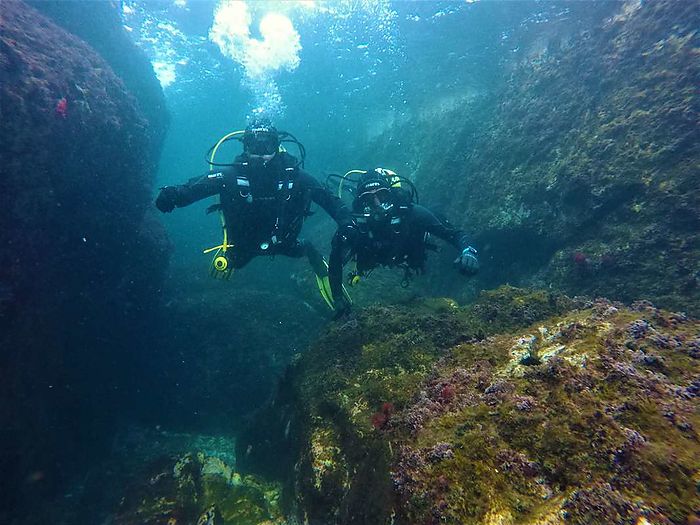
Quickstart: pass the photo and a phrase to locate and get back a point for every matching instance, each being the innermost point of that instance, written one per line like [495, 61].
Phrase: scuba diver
[391, 229]
[264, 197]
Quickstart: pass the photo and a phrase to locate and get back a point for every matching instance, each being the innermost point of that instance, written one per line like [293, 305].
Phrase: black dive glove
[467, 263]
[165, 201]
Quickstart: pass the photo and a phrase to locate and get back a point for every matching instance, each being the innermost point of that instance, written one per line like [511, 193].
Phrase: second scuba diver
[265, 196]
[391, 230]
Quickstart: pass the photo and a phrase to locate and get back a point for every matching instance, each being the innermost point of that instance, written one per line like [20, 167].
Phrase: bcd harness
[380, 247]
[284, 188]
[281, 230]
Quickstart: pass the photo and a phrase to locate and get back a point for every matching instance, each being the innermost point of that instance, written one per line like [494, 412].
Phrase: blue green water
[346, 73]
[338, 75]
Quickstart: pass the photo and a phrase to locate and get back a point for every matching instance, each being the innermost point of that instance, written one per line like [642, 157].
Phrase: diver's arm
[324, 198]
[467, 262]
[193, 190]
[440, 227]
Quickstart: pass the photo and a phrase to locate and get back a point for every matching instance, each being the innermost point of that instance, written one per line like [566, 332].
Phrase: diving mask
[376, 204]
[262, 143]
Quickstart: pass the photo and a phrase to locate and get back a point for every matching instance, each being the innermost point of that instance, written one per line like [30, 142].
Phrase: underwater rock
[106, 34]
[198, 489]
[602, 200]
[589, 434]
[81, 254]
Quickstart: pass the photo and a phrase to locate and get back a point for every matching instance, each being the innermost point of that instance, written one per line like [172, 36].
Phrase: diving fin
[324, 287]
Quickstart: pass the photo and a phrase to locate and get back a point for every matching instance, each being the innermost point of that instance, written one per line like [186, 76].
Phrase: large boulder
[81, 255]
[523, 408]
[105, 34]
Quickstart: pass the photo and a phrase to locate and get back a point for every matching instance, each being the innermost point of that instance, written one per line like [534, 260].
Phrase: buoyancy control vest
[391, 243]
[267, 203]
[262, 209]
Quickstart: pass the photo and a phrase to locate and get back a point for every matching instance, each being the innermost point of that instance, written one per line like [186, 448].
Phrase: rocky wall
[523, 408]
[106, 35]
[81, 255]
[580, 171]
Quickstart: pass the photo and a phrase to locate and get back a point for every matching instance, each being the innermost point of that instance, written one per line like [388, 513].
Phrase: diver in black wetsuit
[265, 196]
[390, 230]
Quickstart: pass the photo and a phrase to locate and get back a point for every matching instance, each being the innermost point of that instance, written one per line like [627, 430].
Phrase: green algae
[428, 409]
[612, 175]
[202, 489]
[569, 431]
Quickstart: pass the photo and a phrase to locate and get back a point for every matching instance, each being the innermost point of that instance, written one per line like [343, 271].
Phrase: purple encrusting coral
[440, 452]
[524, 403]
[694, 348]
[512, 461]
[409, 460]
[693, 389]
[600, 503]
[639, 328]
[633, 441]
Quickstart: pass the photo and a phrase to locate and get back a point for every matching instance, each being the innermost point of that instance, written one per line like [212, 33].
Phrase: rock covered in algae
[600, 200]
[200, 489]
[423, 414]
[92, 152]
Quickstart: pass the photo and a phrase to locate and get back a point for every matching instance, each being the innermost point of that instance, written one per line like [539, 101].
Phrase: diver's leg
[318, 265]
[239, 259]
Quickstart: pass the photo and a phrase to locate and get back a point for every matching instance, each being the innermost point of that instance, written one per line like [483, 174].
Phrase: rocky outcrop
[105, 34]
[523, 408]
[580, 171]
[199, 489]
[82, 256]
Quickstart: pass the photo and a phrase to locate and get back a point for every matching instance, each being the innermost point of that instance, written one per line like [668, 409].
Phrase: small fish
[62, 108]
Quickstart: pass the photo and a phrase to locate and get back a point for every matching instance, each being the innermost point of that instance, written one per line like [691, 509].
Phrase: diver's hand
[467, 263]
[165, 201]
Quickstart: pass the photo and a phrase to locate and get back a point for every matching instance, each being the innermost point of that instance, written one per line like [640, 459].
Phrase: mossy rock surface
[198, 489]
[523, 408]
[579, 170]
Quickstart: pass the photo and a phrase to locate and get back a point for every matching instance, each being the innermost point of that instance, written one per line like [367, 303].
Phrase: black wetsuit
[264, 206]
[400, 240]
